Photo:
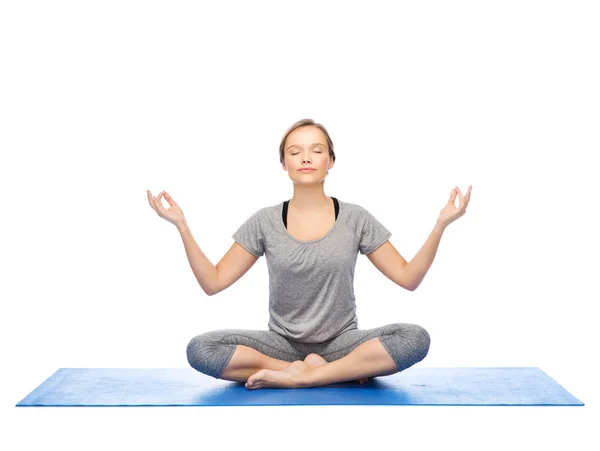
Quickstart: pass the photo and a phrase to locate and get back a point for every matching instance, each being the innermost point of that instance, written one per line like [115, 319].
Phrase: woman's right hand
[174, 214]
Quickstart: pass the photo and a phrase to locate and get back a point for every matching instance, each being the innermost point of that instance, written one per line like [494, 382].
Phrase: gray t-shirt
[311, 283]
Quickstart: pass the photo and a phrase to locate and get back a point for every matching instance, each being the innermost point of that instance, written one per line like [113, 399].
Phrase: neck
[310, 199]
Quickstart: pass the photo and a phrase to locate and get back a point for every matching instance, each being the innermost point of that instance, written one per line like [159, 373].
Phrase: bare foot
[291, 377]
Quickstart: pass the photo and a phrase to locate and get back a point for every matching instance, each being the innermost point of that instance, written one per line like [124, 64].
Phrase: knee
[421, 340]
[200, 351]
[194, 350]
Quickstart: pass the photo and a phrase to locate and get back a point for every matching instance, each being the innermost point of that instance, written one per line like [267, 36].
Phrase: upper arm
[391, 264]
[234, 264]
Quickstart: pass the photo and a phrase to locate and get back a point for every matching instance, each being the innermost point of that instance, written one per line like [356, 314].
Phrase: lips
[306, 170]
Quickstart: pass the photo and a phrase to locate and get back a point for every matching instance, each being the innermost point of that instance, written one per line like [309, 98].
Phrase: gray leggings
[210, 352]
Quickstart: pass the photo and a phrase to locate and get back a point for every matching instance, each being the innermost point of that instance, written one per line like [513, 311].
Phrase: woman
[311, 244]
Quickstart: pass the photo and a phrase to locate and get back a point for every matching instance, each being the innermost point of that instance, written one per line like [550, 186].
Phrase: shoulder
[270, 212]
[266, 217]
[264, 213]
[354, 209]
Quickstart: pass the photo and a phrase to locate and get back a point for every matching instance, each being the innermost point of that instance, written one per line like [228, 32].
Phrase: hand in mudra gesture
[450, 213]
[173, 214]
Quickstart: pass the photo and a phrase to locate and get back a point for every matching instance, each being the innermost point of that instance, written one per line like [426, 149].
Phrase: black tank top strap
[284, 212]
[337, 207]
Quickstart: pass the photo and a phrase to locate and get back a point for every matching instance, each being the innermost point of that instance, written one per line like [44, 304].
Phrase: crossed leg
[409, 343]
[315, 360]
[246, 361]
[299, 366]
[368, 359]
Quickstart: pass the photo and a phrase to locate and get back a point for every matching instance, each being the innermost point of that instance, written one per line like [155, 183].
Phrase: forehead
[306, 136]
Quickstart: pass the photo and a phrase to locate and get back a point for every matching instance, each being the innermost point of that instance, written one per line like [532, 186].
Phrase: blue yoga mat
[187, 387]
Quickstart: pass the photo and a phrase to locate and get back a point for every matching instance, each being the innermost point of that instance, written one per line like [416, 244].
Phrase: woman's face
[306, 147]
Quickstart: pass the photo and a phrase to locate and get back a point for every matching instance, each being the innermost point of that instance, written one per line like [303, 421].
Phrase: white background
[101, 101]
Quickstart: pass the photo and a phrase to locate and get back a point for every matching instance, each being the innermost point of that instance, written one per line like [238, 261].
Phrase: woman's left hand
[450, 213]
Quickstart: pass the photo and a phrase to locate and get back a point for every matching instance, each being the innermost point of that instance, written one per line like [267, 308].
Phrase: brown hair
[303, 123]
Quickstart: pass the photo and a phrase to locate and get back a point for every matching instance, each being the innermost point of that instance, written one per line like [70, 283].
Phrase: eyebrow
[298, 145]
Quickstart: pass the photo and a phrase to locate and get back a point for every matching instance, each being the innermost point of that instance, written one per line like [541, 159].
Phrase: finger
[158, 206]
[150, 200]
[169, 199]
[461, 199]
[159, 203]
[467, 197]
[452, 197]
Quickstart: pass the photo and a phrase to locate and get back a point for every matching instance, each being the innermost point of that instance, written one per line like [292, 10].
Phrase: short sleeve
[249, 235]
[373, 234]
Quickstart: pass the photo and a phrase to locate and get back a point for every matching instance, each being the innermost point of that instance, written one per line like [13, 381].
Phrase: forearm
[421, 262]
[203, 269]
